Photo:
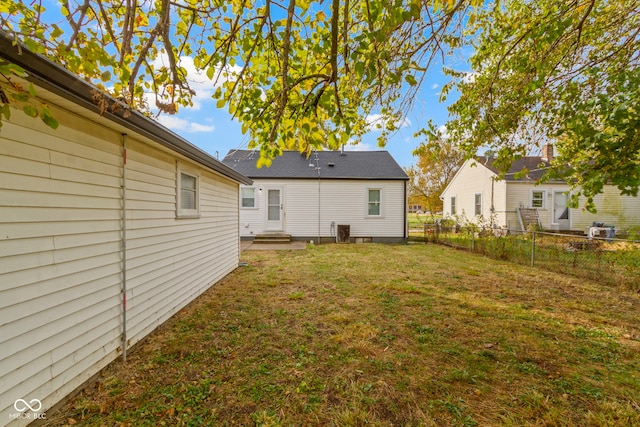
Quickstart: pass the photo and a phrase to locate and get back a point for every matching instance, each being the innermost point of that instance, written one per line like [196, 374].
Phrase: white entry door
[561, 210]
[274, 209]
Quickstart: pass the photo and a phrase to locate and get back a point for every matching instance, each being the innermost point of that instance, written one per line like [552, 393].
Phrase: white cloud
[359, 147]
[177, 124]
[197, 127]
[435, 86]
[197, 79]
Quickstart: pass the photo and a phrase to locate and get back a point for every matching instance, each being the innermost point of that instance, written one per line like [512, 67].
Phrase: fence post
[533, 247]
[424, 231]
[473, 240]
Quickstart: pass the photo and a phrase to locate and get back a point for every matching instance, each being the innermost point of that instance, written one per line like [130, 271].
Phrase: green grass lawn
[404, 335]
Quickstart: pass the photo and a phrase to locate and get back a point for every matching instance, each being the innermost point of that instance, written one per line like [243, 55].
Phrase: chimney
[547, 152]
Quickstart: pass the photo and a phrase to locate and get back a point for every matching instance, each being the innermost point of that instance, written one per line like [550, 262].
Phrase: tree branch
[284, 94]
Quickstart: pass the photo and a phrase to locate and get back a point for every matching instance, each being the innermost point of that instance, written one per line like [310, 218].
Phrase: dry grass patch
[348, 335]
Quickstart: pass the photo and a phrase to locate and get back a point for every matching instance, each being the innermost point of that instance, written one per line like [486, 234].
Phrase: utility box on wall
[344, 233]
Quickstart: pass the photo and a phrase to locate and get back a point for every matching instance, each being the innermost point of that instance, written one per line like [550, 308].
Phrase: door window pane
[273, 208]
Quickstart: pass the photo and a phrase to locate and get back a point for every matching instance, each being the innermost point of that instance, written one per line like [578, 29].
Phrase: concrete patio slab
[248, 245]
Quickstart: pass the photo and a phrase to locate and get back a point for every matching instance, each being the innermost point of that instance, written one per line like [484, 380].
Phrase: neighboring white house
[477, 194]
[109, 225]
[311, 198]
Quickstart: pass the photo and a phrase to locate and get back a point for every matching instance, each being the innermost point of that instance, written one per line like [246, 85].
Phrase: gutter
[56, 79]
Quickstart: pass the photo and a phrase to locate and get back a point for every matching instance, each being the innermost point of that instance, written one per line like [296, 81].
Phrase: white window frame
[187, 212]
[453, 203]
[255, 198]
[543, 200]
[477, 205]
[380, 203]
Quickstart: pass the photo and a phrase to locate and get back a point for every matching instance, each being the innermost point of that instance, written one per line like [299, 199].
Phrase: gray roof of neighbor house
[535, 166]
[59, 81]
[365, 165]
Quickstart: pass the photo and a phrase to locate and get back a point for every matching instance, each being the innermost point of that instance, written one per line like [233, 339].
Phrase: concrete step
[272, 238]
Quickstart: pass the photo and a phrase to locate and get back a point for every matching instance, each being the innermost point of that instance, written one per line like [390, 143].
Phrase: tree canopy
[295, 73]
[561, 72]
[306, 74]
[438, 161]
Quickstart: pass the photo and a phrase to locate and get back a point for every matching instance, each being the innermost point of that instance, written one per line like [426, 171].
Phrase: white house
[477, 194]
[357, 196]
[109, 225]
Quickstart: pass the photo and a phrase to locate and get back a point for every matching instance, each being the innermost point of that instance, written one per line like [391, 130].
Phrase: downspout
[123, 234]
[493, 208]
[406, 215]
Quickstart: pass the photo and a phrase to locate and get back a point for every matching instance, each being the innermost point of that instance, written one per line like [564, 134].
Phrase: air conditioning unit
[344, 233]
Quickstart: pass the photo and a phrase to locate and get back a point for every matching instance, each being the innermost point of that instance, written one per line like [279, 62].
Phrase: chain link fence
[606, 260]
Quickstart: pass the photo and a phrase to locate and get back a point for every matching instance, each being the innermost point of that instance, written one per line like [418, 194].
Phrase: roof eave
[56, 79]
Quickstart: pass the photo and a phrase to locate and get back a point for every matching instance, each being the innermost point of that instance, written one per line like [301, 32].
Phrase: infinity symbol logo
[21, 405]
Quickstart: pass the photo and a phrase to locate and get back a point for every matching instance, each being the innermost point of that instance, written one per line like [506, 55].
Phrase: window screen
[248, 197]
[187, 191]
[374, 202]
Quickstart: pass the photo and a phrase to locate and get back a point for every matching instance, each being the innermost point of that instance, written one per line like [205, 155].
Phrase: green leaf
[30, 110]
[211, 72]
[6, 111]
[106, 76]
[48, 119]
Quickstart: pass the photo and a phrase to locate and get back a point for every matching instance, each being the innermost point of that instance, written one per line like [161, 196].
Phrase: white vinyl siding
[506, 197]
[339, 201]
[620, 211]
[61, 250]
[60, 258]
[474, 193]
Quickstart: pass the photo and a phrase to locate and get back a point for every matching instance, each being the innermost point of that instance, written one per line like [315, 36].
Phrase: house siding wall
[472, 178]
[341, 202]
[519, 196]
[612, 208]
[622, 212]
[61, 256]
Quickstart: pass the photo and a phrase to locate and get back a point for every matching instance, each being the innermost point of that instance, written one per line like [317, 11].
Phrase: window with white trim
[374, 203]
[538, 199]
[453, 205]
[478, 204]
[188, 204]
[248, 197]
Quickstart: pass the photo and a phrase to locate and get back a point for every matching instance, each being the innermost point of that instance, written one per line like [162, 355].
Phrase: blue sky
[214, 131]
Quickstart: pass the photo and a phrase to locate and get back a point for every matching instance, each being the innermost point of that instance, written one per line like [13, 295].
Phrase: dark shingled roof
[535, 165]
[333, 165]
